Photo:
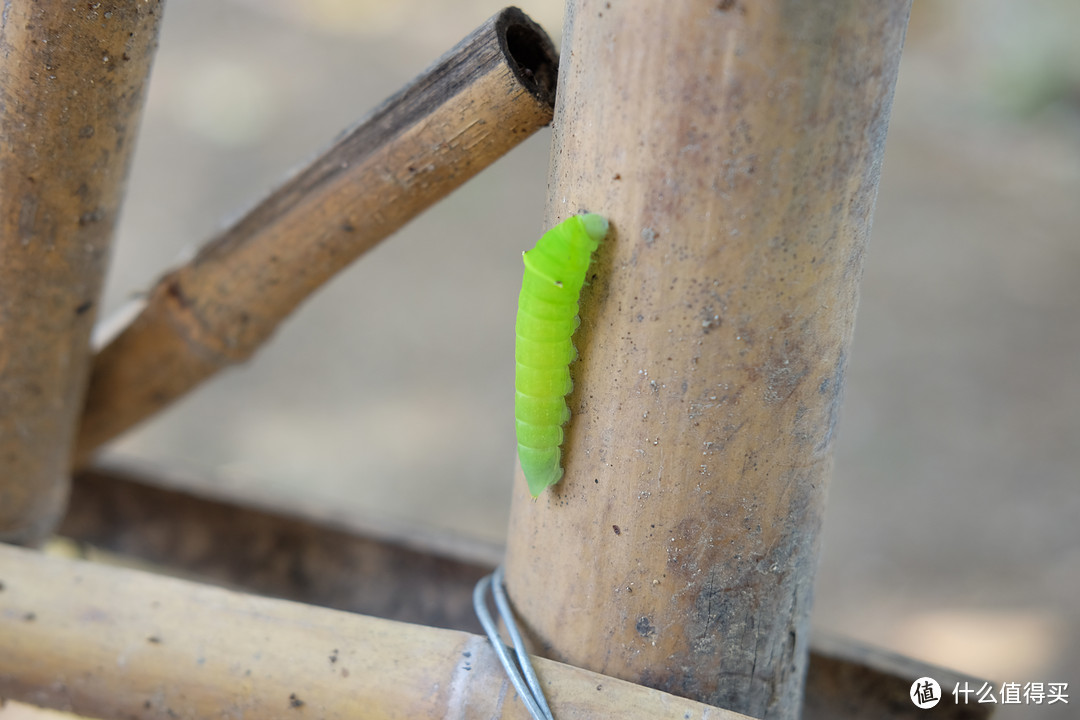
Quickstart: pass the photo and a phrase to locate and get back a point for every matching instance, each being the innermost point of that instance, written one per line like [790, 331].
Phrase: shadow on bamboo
[487, 95]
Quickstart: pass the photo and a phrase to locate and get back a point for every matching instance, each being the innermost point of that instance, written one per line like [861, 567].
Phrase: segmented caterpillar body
[547, 318]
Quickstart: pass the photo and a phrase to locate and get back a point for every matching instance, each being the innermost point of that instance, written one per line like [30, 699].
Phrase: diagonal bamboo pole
[71, 91]
[489, 93]
[114, 643]
[736, 148]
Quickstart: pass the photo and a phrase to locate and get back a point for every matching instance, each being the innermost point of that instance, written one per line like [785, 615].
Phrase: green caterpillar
[547, 318]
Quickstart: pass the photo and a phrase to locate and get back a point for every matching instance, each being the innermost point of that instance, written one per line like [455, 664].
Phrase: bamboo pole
[274, 554]
[489, 93]
[736, 149]
[71, 92]
[114, 643]
[429, 582]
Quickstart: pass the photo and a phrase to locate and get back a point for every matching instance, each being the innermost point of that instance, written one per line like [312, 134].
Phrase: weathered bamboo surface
[414, 577]
[736, 149]
[491, 92]
[71, 93]
[396, 577]
[115, 643]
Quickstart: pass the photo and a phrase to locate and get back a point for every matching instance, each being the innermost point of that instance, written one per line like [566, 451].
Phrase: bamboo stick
[736, 149]
[489, 93]
[71, 89]
[115, 643]
[430, 582]
[847, 680]
[274, 554]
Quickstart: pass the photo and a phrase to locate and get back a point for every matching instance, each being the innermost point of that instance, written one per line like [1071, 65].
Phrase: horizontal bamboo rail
[416, 576]
[116, 643]
[71, 92]
[488, 94]
[427, 582]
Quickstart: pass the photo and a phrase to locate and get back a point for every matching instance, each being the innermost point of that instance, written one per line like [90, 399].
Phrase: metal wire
[520, 668]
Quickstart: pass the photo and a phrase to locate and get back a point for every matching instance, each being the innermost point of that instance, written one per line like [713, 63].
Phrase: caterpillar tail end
[542, 468]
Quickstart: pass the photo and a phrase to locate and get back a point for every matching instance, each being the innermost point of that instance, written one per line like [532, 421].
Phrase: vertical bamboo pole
[71, 89]
[736, 148]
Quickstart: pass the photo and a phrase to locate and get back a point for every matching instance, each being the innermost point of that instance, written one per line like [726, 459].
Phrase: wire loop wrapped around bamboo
[115, 643]
[735, 148]
[71, 92]
[489, 93]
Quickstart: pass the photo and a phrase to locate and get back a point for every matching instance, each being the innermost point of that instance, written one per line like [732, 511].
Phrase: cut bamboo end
[114, 643]
[488, 94]
[72, 80]
[735, 147]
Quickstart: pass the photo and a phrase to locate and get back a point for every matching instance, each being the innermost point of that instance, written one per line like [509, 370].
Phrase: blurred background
[953, 528]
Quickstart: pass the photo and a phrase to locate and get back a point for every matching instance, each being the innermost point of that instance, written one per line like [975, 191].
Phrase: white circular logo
[925, 693]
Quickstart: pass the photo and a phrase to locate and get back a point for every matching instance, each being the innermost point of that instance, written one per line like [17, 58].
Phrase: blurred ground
[952, 533]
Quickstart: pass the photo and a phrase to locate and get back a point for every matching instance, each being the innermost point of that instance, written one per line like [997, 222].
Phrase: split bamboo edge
[72, 82]
[111, 643]
[488, 94]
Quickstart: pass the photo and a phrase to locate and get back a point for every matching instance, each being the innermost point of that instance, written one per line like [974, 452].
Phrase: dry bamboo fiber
[492, 91]
[114, 643]
[736, 148]
[71, 91]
